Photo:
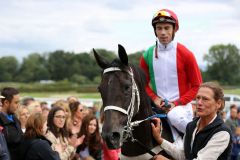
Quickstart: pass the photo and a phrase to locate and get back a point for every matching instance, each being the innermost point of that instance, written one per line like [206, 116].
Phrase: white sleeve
[215, 146]
[175, 149]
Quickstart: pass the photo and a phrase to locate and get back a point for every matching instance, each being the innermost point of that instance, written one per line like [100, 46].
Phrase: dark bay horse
[125, 101]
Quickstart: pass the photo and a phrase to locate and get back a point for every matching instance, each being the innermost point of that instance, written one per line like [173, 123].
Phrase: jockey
[171, 70]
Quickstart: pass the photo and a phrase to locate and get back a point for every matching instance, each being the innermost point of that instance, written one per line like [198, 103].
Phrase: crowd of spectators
[65, 129]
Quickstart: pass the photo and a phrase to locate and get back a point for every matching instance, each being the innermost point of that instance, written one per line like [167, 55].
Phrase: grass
[90, 95]
[232, 91]
[60, 94]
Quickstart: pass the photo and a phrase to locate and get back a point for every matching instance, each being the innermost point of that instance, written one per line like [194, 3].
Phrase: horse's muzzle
[112, 139]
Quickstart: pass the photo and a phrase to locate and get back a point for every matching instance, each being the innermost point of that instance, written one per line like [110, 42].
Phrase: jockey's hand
[156, 130]
[158, 102]
[172, 105]
[160, 157]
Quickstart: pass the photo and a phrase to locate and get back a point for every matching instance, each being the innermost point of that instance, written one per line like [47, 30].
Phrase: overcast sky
[28, 26]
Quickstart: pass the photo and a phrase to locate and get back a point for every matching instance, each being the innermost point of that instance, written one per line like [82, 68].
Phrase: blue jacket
[4, 155]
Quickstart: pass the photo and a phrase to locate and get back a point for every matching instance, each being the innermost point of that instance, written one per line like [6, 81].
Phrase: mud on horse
[125, 105]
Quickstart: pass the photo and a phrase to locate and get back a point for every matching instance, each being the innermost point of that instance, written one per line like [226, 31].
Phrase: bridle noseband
[130, 110]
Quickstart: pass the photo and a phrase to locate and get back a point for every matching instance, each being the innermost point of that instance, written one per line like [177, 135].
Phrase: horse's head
[120, 97]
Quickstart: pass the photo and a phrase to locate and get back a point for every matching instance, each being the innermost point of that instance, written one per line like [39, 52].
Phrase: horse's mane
[140, 78]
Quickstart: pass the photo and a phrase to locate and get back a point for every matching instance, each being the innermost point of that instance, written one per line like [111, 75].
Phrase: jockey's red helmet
[165, 16]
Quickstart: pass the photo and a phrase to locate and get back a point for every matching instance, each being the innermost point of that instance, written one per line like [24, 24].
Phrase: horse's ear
[122, 54]
[100, 61]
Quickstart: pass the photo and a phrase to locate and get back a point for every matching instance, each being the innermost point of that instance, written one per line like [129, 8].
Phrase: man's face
[164, 32]
[13, 105]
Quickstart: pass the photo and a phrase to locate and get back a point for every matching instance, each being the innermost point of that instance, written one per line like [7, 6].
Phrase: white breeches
[180, 116]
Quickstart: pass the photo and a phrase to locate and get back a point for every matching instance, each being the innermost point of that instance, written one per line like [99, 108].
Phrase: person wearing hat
[171, 71]
[9, 122]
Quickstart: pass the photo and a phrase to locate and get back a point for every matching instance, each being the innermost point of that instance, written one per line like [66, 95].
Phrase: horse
[126, 109]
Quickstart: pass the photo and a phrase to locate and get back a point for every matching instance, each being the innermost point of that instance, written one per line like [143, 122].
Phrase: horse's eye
[126, 87]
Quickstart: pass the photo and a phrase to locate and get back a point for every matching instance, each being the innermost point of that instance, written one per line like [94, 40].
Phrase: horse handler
[171, 70]
[206, 137]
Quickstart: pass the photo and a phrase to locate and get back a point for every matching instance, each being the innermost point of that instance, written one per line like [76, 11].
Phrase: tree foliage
[223, 64]
[8, 68]
[81, 68]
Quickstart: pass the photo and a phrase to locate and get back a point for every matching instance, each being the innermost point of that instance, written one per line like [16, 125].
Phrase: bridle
[130, 110]
[127, 132]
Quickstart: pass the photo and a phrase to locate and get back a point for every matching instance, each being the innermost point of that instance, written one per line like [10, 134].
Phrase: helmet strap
[156, 50]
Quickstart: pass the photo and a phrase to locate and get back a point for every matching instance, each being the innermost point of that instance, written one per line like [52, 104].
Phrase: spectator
[232, 122]
[92, 143]
[11, 125]
[58, 135]
[238, 116]
[236, 145]
[65, 106]
[35, 145]
[23, 114]
[72, 99]
[34, 107]
[223, 115]
[27, 101]
[75, 122]
[44, 105]
[4, 154]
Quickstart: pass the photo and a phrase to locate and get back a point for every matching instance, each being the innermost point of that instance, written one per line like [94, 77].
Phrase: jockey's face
[207, 106]
[164, 32]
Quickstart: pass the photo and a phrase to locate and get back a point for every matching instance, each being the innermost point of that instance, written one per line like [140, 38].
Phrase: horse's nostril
[115, 136]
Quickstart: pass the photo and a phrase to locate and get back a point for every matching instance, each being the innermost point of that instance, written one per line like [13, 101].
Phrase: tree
[33, 68]
[135, 57]
[8, 68]
[59, 64]
[223, 64]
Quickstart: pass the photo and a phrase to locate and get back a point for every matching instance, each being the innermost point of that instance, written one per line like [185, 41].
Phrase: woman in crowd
[75, 122]
[35, 146]
[23, 114]
[34, 107]
[92, 144]
[64, 105]
[206, 137]
[58, 135]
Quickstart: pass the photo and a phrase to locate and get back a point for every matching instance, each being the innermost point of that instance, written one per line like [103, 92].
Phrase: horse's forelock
[117, 63]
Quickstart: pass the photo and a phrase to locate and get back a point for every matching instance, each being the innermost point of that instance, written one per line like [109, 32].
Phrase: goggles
[163, 16]
[163, 19]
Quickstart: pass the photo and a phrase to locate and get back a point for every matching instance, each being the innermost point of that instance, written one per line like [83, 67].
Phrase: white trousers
[180, 116]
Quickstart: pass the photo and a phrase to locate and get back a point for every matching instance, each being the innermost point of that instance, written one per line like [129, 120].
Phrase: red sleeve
[193, 78]
[149, 90]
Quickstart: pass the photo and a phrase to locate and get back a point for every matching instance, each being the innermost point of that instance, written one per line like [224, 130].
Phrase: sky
[30, 26]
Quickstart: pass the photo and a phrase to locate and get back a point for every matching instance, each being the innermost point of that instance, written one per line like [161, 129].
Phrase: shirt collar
[167, 47]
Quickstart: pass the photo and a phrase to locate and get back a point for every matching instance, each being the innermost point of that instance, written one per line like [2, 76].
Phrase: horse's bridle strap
[110, 69]
[116, 108]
